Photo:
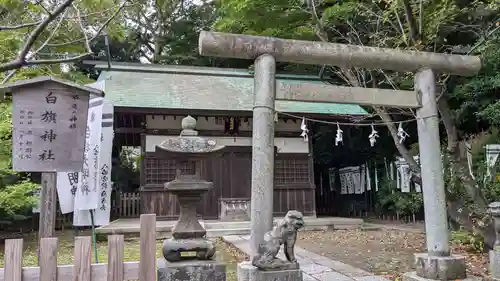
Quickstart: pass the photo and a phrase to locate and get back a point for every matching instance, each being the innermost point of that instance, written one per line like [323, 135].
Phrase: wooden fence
[123, 205]
[82, 269]
[128, 205]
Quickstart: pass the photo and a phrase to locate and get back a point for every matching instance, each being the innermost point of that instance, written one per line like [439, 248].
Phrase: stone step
[228, 231]
[244, 230]
[212, 233]
[129, 226]
[311, 224]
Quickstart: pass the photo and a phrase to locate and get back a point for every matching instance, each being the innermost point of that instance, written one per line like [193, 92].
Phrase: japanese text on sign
[49, 129]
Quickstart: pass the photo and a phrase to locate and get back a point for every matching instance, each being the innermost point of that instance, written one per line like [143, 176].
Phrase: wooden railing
[82, 269]
[129, 205]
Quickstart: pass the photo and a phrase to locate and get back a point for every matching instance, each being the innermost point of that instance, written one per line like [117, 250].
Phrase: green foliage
[127, 171]
[16, 198]
[478, 96]
[490, 189]
[392, 200]
[63, 38]
[280, 18]
[340, 13]
[473, 241]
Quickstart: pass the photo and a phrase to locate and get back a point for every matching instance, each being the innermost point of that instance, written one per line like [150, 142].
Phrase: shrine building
[150, 102]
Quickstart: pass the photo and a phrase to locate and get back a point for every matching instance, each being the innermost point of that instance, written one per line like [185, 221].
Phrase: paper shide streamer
[402, 134]
[373, 137]
[304, 129]
[338, 136]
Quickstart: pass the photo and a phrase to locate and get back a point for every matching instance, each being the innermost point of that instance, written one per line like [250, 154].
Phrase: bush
[392, 200]
[473, 242]
[16, 201]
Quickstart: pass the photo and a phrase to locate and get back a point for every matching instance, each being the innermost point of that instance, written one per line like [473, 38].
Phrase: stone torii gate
[437, 263]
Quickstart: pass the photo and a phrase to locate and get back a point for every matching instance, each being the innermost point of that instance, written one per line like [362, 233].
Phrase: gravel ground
[384, 252]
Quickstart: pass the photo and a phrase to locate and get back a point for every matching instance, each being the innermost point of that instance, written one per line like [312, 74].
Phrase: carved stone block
[495, 265]
[191, 271]
[440, 268]
[412, 276]
[248, 272]
[494, 209]
[234, 209]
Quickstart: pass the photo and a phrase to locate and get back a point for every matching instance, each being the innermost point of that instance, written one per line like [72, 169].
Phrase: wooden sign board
[49, 125]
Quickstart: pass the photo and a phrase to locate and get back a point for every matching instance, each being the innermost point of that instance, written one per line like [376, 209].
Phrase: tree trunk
[457, 211]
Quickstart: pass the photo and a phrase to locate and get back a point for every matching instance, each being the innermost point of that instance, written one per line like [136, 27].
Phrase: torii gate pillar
[262, 150]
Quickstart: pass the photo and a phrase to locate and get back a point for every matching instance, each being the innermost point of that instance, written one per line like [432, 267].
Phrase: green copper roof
[204, 88]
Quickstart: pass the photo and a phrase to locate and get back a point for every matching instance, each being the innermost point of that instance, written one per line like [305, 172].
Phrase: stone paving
[314, 267]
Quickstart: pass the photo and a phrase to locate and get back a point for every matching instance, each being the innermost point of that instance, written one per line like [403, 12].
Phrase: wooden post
[48, 204]
[83, 259]
[147, 264]
[48, 259]
[13, 260]
[115, 258]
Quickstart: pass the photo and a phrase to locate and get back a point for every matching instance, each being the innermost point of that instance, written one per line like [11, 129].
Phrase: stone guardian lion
[284, 233]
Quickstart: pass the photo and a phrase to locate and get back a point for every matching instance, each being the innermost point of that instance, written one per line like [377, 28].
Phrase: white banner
[103, 180]
[368, 179]
[87, 195]
[492, 153]
[67, 184]
[102, 214]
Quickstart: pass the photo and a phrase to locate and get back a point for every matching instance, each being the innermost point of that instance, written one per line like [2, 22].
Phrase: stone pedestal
[495, 265]
[191, 271]
[412, 276]
[494, 209]
[248, 272]
[438, 268]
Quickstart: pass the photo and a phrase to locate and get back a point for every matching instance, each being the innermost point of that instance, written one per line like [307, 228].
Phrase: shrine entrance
[266, 51]
[334, 163]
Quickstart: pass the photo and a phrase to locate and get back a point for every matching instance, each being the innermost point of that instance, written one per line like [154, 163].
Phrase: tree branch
[82, 28]
[24, 60]
[19, 26]
[403, 33]
[52, 34]
[21, 58]
[54, 61]
[412, 25]
[351, 79]
[458, 162]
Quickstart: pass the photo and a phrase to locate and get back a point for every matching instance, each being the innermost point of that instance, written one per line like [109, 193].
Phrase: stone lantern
[188, 254]
[494, 209]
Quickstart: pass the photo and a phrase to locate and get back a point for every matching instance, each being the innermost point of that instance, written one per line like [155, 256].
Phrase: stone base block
[440, 268]
[495, 264]
[412, 276]
[248, 272]
[202, 248]
[191, 271]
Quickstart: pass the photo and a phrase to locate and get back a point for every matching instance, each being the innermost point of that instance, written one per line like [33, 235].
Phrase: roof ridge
[188, 69]
[202, 92]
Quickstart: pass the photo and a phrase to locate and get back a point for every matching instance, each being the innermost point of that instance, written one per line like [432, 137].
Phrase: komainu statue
[284, 233]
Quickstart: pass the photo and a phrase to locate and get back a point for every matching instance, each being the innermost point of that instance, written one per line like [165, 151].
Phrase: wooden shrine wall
[231, 175]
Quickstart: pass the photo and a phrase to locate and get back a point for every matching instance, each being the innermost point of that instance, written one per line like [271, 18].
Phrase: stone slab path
[314, 267]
